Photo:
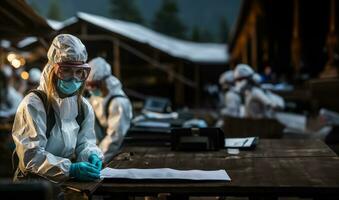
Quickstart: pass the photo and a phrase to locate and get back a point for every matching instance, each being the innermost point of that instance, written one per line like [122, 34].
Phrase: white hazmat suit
[51, 157]
[114, 122]
[257, 103]
[232, 98]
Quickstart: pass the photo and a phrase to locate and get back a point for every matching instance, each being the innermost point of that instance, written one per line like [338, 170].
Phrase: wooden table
[301, 177]
[267, 148]
[306, 168]
[80, 190]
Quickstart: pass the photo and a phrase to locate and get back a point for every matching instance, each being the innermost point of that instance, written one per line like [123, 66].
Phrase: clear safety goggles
[68, 71]
[91, 85]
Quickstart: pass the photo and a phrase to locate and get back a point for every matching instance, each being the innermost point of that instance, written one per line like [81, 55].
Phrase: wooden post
[254, 45]
[296, 44]
[156, 55]
[332, 42]
[2, 56]
[179, 87]
[265, 49]
[83, 29]
[197, 82]
[332, 17]
[245, 52]
[116, 56]
[236, 53]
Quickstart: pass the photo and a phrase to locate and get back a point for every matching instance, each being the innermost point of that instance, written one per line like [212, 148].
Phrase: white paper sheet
[165, 173]
[239, 142]
[292, 121]
[153, 124]
[233, 151]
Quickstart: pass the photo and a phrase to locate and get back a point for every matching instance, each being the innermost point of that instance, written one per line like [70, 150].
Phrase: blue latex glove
[95, 160]
[84, 171]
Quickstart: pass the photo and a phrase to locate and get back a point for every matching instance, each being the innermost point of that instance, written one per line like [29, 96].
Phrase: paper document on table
[239, 142]
[153, 124]
[165, 173]
[292, 121]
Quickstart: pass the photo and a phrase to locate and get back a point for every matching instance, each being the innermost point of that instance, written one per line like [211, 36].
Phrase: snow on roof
[192, 51]
[5, 43]
[57, 25]
[27, 41]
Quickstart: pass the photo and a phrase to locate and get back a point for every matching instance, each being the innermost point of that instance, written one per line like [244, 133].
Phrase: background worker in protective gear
[249, 82]
[10, 98]
[256, 103]
[112, 108]
[278, 101]
[232, 99]
[33, 80]
[68, 149]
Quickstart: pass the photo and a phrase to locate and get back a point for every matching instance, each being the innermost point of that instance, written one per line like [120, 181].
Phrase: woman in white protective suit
[54, 126]
[257, 103]
[232, 98]
[111, 106]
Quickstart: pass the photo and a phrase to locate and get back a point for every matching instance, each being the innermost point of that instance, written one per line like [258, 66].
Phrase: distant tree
[126, 10]
[196, 34]
[202, 35]
[223, 30]
[35, 7]
[167, 21]
[207, 36]
[54, 11]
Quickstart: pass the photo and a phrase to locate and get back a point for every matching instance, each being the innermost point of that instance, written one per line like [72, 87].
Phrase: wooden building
[20, 23]
[148, 62]
[18, 19]
[293, 37]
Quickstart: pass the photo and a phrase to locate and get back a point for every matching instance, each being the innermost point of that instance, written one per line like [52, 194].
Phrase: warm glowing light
[24, 75]
[11, 56]
[16, 63]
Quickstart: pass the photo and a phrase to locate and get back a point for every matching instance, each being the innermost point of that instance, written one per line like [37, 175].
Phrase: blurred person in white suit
[113, 109]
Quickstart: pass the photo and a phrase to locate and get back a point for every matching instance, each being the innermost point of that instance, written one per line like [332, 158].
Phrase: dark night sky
[204, 14]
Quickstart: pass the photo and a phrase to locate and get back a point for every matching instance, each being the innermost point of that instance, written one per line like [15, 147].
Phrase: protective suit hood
[243, 71]
[64, 48]
[102, 70]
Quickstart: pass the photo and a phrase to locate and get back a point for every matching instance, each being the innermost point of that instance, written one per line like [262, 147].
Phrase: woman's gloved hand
[95, 160]
[84, 171]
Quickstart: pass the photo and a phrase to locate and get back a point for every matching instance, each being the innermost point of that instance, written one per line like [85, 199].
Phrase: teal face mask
[68, 87]
[96, 92]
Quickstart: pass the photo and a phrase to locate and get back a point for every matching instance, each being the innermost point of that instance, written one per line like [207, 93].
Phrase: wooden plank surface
[307, 176]
[265, 149]
[283, 154]
[86, 188]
